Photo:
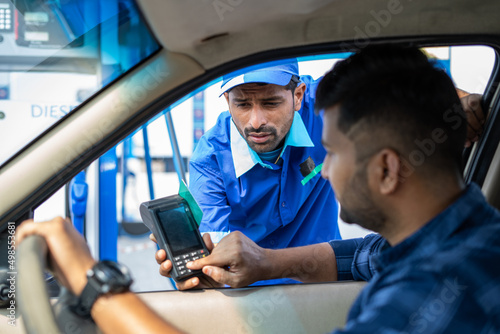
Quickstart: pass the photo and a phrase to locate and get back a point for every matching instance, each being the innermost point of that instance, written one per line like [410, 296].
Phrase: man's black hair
[395, 97]
[294, 81]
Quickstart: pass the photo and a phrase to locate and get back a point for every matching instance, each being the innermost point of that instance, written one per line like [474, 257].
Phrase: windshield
[56, 54]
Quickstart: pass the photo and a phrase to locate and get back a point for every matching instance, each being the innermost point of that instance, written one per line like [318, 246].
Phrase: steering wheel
[38, 314]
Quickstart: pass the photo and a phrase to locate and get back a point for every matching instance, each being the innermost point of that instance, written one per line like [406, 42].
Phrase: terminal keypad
[6, 19]
[181, 260]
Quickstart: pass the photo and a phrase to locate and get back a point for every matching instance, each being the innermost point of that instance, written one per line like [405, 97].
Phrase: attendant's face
[348, 176]
[263, 114]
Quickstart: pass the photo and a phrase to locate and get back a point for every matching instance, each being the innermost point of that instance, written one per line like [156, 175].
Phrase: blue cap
[276, 75]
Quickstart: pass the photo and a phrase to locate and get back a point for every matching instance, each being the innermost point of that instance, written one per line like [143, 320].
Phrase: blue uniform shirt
[445, 278]
[237, 191]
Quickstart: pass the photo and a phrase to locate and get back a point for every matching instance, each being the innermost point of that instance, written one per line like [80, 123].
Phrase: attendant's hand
[202, 282]
[475, 117]
[69, 255]
[236, 261]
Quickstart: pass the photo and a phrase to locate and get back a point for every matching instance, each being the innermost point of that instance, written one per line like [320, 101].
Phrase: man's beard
[358, 206]
[265, 147]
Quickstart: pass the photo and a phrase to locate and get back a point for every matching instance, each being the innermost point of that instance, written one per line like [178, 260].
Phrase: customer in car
[394, 159]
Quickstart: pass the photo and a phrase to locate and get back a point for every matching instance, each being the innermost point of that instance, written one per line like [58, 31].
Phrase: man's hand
[202, 282]
[475, 117]
[236, 261]
[69, 255]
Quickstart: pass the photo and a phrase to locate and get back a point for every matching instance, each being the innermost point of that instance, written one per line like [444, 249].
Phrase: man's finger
[152, 238]
[219, 259]
[160, 256]
[474, 102]
[29, 227]
[26, 228]
[165, 268]
[474, 112]
[208, 242]
[474, 122]
[474, 115]
[219, 275]
[188, 284]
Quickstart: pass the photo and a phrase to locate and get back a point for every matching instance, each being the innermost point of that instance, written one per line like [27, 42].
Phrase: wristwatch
[104, 277]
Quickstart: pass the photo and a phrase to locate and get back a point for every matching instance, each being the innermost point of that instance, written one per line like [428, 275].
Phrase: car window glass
[470, 67]
[56, 54]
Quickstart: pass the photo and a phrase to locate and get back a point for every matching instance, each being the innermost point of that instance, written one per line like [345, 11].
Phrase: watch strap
[86, 300]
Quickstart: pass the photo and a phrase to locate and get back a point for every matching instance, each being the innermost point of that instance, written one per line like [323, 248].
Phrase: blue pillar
[78, 196]
[148, 160]
[108, 223]
[108, 163]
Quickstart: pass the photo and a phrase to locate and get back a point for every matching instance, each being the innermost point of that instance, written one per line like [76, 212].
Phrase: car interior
[199, 42]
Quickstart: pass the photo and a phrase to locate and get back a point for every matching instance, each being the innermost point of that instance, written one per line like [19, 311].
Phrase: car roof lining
[247, 27]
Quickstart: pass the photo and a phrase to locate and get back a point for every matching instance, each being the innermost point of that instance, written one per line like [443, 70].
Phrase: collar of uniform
[244, 158]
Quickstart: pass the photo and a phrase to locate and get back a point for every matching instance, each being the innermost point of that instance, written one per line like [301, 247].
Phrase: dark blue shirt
[445, 278]
[237, 191]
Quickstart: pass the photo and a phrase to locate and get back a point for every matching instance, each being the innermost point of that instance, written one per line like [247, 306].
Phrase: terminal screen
[179, 230]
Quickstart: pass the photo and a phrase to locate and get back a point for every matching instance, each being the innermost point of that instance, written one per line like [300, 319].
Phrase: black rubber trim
[490, 138]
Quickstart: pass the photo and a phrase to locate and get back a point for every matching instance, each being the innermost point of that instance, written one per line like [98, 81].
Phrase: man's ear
[385, 167]
[298, 95]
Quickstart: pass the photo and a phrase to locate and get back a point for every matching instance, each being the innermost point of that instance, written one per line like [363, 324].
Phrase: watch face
[113, 274]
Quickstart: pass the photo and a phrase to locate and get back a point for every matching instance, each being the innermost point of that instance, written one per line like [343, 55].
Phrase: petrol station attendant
[257, 170]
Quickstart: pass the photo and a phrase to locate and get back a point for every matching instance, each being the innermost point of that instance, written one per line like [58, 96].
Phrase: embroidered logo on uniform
[307, 167]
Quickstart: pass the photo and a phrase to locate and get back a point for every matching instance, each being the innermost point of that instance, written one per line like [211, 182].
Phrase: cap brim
[279, 78]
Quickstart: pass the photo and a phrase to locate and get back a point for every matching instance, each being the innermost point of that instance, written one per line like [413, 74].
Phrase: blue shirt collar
[429, 238]
[244, 158]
